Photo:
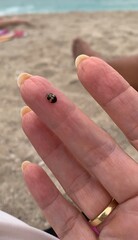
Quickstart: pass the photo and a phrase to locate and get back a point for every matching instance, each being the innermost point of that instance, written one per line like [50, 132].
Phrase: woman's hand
[87, 162]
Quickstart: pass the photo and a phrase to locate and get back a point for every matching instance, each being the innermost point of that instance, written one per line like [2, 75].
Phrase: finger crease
[75, 186]
[112, 99]
[54, 199]
[69, 225]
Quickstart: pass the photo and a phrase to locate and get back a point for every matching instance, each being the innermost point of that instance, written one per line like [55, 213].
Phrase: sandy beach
[46, 51]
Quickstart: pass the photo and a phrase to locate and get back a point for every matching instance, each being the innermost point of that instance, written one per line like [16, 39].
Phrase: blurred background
[24, 6]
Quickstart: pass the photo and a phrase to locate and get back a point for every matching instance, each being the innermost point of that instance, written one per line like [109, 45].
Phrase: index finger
[112, 92]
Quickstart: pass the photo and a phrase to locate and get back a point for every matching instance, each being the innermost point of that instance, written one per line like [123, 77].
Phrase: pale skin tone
[88, 163]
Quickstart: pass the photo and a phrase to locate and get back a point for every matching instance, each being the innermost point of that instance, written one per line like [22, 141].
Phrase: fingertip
[24, 110]
[22, 78]
[80, 59]
[25, 164]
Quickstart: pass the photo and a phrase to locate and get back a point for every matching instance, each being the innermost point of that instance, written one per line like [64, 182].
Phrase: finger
[90, 145]
[85, 191]
[62, 216]
[113, 93]
[122, 223]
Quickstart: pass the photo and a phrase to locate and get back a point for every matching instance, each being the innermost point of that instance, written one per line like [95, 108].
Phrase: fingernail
[79, 59]
[25, 164]
[22, 77]
[25, 110]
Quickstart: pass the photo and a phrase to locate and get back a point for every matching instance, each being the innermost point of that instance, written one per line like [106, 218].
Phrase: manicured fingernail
[22, 77]
[79, 59]
[25, 110]
[25, 164]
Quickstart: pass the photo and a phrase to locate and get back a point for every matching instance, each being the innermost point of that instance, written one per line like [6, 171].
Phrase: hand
[88, 163]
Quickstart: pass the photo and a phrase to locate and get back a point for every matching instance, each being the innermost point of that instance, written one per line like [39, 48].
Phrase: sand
[46, 51]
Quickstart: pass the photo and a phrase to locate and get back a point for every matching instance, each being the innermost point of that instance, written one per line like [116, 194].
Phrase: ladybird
[51, 98]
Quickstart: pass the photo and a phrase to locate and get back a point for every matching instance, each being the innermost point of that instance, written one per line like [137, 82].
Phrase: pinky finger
[66, 220]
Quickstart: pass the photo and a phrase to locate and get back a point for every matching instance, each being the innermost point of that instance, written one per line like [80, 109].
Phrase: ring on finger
[104, 214]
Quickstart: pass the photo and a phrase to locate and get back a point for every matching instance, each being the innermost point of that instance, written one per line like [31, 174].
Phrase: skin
[88, 163]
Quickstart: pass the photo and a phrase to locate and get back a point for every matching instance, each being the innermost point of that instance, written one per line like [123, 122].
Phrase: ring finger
[83, 189]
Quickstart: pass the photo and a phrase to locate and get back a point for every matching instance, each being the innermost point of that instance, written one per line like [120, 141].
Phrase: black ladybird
[51, 98]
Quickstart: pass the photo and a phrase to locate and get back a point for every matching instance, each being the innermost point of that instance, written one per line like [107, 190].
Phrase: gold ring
[105, 213]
